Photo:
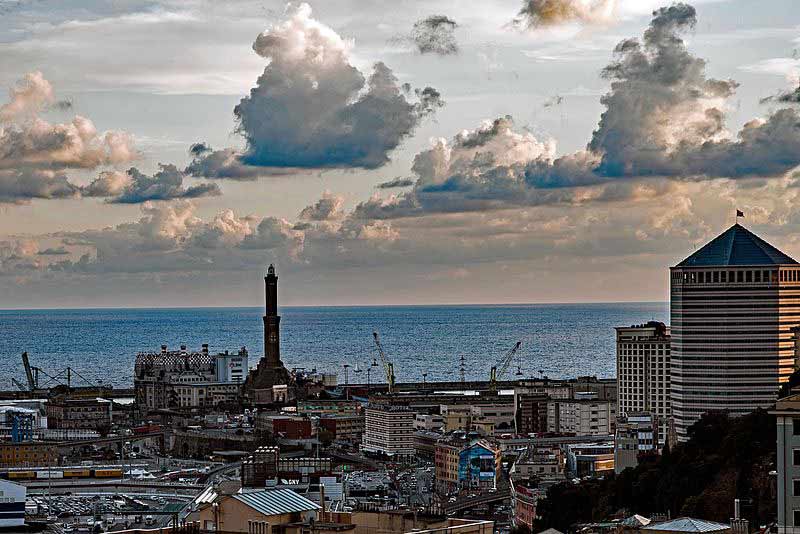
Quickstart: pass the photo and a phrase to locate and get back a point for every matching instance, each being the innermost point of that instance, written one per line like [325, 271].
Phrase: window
[796, 514]
[795, 488]
[796, 458]
[796, 427]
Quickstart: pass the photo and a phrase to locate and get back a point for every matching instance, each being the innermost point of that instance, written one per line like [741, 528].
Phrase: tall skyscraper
[733, 304]
[643, 373]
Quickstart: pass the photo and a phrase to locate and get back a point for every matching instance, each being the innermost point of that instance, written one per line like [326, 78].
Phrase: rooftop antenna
[461, 370]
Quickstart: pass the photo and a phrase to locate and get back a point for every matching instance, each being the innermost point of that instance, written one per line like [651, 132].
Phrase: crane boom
[388, 367]
[28, 373]
[500, 368]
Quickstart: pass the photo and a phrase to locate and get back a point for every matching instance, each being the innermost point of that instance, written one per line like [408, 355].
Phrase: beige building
[585, 415]
[643, 372]
[389, 430]
[546, 464]
[265, 511]
[733, 304]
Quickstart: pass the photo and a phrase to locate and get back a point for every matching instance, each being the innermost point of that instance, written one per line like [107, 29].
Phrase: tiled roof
[737, 246]
[687, 524]
[276, 501]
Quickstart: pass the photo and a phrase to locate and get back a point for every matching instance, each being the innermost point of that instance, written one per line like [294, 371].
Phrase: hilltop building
[643, 372]
[732, 308]
[260, 387]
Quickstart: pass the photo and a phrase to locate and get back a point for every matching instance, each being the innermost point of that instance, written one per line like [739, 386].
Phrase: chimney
[205, 348]
[163, 349]
[183, 348]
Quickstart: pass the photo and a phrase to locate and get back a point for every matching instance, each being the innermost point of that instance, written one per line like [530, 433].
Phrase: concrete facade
[643, 372]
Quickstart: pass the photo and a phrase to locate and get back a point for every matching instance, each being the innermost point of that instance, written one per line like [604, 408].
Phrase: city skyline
[161, 154]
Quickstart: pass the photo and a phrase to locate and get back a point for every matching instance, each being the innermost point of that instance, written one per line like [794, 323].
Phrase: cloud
[545, 13]
[326, 208]
[664, 117]
[396, 182]
[35, 155]
[784, 97]
[664, 121]
[311, 108]
[28, 97]
[434, 34]
[135, 187]
[225, 163]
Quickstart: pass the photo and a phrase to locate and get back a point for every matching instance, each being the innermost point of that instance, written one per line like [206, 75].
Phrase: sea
[100, 345]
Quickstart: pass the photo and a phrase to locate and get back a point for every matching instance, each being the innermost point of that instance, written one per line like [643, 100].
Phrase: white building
[12, 504]
[733, 304]
[389, 430]
[231, 368]
[787, 411]
[643, 372]
[585, 415]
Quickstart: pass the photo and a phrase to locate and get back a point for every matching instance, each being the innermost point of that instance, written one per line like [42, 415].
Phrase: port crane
[388, 367]
[499, 369]
[32, 375]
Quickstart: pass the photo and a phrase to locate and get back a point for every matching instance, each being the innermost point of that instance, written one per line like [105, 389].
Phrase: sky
[162, 153]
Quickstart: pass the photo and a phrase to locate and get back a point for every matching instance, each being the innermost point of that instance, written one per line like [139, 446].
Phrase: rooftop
[276, 501]
[736, 246]
[687, 524]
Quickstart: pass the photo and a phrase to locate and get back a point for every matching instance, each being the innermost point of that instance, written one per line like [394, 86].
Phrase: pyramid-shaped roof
[736, 246]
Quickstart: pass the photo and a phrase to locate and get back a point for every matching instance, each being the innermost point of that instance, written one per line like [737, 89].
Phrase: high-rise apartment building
[733, 305]
[643, 372]
[389, 431]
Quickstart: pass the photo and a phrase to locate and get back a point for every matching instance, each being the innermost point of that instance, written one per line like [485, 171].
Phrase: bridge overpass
[473, 502]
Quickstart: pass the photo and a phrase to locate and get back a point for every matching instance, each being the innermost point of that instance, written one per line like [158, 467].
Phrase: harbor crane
[32, 375]
[500, 368]
[388, 367]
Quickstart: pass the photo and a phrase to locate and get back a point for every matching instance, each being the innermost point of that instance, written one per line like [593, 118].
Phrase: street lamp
[424, 377]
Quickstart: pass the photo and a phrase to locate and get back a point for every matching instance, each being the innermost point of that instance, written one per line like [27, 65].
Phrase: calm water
[561, 340]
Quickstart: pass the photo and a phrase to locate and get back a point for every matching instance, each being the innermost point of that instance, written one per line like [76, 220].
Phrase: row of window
[743, 276]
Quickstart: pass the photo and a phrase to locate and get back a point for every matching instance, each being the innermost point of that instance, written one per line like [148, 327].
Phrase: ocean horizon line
[342, 306]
